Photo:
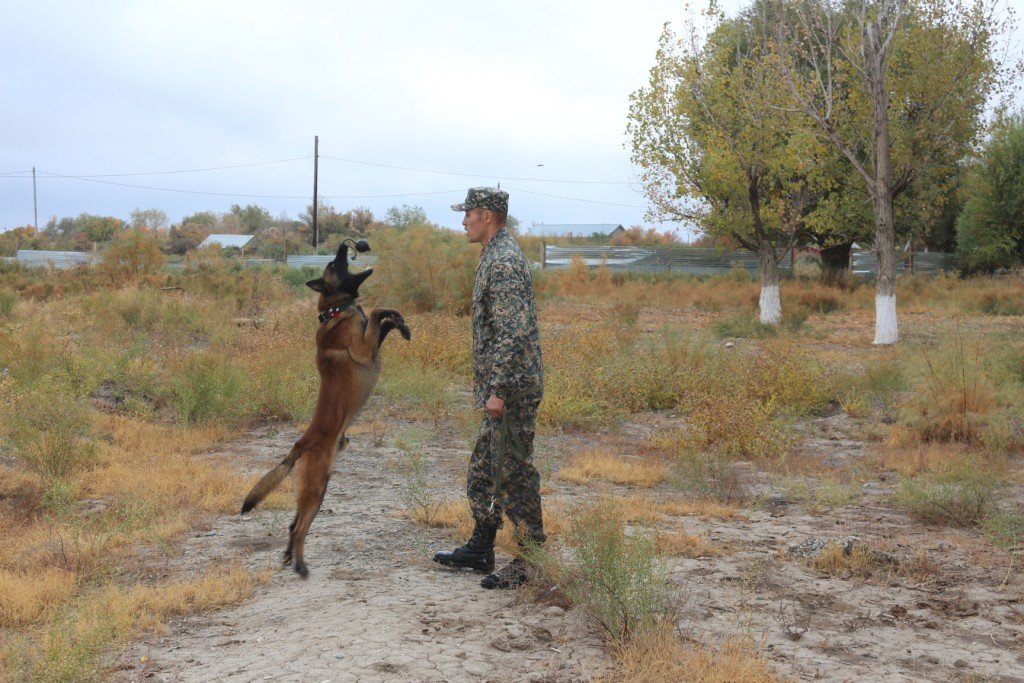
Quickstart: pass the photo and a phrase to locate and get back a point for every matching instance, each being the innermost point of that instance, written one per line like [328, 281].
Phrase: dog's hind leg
[312, 489]
[291, 529]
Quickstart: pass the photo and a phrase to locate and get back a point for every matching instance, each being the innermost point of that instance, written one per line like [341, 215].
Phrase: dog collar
[333, 312]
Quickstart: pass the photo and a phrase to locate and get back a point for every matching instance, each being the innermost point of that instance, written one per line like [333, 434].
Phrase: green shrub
[51, 433]
[1004, 527]
[206, 388]
[8, 299]
[960, 496]
[709, 474]
[615, 575]
[744, 326]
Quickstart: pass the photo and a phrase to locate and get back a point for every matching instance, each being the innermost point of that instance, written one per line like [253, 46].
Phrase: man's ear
[318, 285]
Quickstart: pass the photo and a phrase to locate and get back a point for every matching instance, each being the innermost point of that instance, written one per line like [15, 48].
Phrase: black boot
[477, 554]
[512, 575]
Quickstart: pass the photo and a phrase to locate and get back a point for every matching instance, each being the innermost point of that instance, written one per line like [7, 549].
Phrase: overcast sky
[154, 99]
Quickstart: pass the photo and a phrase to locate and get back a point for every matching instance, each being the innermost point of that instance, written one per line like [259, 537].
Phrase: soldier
[507, 384]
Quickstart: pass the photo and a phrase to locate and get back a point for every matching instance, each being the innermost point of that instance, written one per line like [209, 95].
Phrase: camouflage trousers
[519, 491]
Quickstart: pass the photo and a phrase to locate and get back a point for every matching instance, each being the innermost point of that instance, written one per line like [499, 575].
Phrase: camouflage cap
[493, 198]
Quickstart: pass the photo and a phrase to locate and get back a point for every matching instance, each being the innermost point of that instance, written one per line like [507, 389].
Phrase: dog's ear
[318, 285]
[358, 278]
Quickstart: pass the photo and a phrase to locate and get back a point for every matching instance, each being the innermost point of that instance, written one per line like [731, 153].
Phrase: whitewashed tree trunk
[875, 56]
[886, 329]
[770, 304]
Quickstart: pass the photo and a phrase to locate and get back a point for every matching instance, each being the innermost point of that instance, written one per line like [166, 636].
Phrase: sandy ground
[376, 609]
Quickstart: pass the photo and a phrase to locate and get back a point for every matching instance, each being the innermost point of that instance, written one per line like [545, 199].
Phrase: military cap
[493, 198]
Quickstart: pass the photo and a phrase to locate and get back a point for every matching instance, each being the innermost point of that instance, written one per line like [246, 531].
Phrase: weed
[8, 300]
[52, 434]
[1004, 527]
[962, 495]
[822, 493]
[743, 326]
[417, 494]
[838, 559]
[709, 474]
[615, 575]
[679, 543]
[955, 396]
[207, 389]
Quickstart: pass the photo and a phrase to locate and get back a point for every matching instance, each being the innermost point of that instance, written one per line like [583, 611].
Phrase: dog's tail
[271, 480]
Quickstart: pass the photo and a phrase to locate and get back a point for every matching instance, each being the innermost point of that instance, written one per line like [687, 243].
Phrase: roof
[575, 229]
[224, 241]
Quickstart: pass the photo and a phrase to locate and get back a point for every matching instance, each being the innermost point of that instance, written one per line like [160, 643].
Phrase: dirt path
[375, 608]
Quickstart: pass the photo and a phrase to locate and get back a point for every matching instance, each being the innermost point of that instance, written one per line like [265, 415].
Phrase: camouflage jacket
[506, 341]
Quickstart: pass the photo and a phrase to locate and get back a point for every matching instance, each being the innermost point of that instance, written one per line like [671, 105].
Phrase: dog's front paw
[404, 330]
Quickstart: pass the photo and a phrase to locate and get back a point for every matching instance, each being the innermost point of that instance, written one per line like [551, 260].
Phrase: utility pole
[35, 206]
[316, 163]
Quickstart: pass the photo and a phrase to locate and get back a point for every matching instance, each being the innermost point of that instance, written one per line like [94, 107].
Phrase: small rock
[554, 611]
[961, 664]
[729, 345]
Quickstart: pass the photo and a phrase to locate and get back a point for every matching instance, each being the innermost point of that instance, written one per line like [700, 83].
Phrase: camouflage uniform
[507, 364]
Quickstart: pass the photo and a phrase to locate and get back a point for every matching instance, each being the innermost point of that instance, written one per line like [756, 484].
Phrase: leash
[507, 435]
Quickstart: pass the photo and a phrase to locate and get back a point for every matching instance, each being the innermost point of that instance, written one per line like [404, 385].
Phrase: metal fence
[865, 263]
[672, 259]
[33, 258]
[705, 261]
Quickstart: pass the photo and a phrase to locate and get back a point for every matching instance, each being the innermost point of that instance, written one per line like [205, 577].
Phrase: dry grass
[680, 543]
[915, 458]
[72, 646]
[601, 464]
[27, 597]
[835, 561]
[661, 656]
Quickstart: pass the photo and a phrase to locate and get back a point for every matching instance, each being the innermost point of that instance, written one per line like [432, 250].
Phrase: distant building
[239, 242]
[573, 230]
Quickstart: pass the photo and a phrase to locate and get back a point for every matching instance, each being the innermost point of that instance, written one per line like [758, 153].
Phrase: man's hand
[495, 406]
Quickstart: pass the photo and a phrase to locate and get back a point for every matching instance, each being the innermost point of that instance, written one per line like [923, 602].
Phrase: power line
[190, 170]
[475, 175]
[248, 196]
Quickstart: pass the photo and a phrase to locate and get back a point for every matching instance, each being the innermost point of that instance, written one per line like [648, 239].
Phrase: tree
[711, 127]
[406, 216]
[251, 219]
[990, 230]
[133, 257]
[148, 219]
[896, 86]
[24, 237]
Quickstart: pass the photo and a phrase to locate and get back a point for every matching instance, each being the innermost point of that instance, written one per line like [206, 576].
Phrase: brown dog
[347, 358]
